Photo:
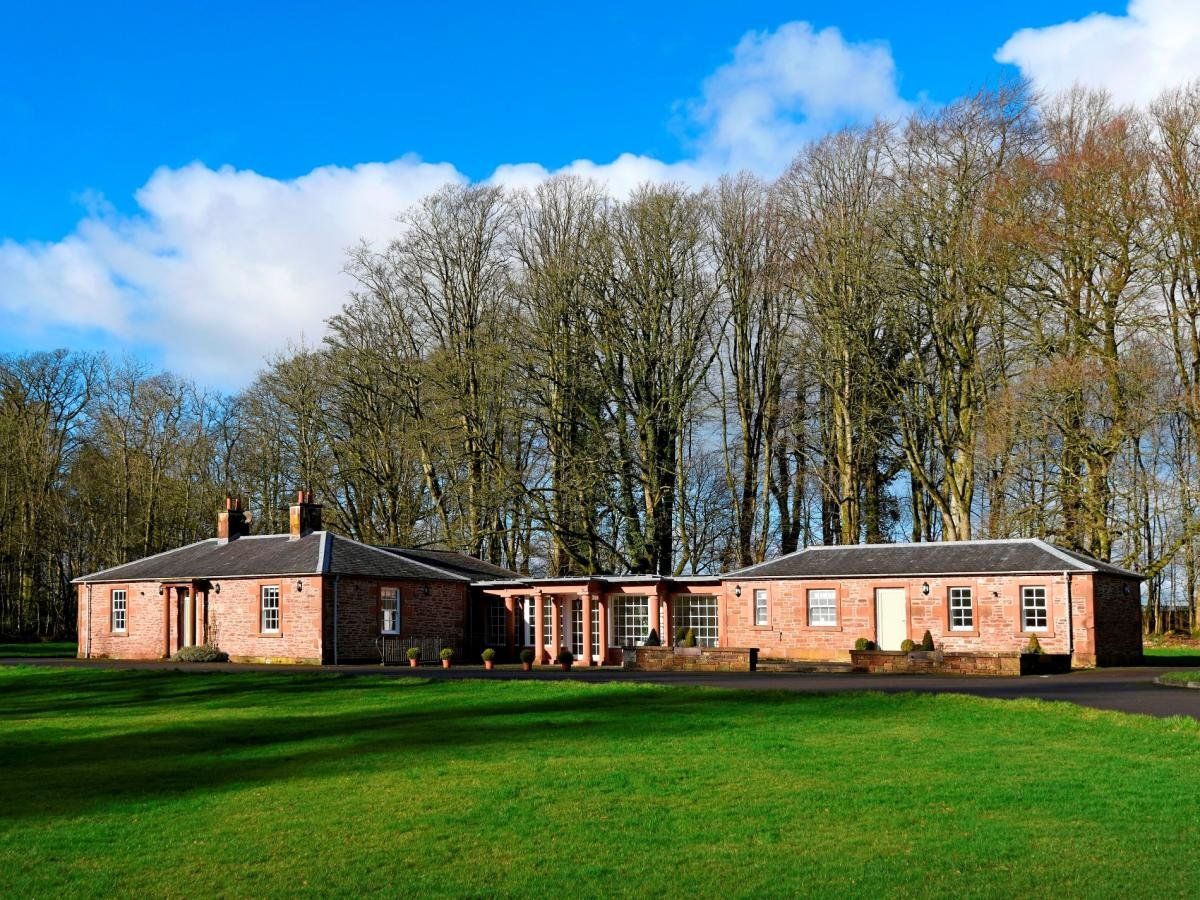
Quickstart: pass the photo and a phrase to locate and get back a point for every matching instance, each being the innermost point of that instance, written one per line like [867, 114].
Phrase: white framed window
[118, 610]
[699, 613]
[760, 606]
[822, 606]
[270, 608]
[1034, 613]
[389, 605]
[577, 627]
[548, 620]
[962, 609]
[529, 619]
[631, 620]
[496, 627]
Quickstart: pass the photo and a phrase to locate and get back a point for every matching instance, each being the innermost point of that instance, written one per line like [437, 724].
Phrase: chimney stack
[233, 523]
[305, 515]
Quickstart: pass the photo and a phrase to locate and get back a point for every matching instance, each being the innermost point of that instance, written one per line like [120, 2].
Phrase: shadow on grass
[60, 769]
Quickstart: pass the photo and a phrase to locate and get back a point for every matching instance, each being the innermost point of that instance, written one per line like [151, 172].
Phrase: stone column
[539, 630]
[602, 599]
[654, 600]
[510, 623]
[555, 626]
[586, 603]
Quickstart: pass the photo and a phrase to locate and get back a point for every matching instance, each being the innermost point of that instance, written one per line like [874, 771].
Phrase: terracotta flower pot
[445, 663]
[527, 667]
[489, 664]
[414, 662]
[566, 667]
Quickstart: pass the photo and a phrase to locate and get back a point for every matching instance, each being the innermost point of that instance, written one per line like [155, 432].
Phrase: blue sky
[94, 102]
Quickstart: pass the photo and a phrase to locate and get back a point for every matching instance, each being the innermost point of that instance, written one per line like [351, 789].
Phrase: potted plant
[489, 658]
[907, 645]
[527, 656]
[447, 656]
[1035, 646]
[927, 640]
[414, 656]
[565, 659]
[864, 644]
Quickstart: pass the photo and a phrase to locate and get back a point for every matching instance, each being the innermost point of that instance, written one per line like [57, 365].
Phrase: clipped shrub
[680, 633]
[414, 652]
[1034, 645]
[907, 646]
[201, 654]
[488, 655]
[652, 639]
[864, 644]
[565, 657]
[927, 640]
[527, 655]
[447, 653]
[689, 639]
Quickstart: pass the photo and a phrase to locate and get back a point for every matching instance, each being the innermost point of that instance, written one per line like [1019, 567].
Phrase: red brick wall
[997, 615]
[441, 613]
[234, 620]
[143, 637]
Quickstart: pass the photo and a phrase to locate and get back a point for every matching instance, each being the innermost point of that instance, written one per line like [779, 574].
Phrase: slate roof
[998, 557]
[273, 555]
[459, 563]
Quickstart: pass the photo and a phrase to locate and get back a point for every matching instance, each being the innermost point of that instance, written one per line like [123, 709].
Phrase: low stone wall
[696, 659]
[936, 662]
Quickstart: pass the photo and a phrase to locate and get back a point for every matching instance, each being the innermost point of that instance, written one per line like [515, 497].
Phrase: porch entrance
[891, 617]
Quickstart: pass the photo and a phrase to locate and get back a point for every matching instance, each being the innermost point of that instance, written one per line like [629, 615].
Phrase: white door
[891, 617]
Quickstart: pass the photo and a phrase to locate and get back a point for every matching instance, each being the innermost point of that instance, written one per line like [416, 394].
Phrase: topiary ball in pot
[907, 646]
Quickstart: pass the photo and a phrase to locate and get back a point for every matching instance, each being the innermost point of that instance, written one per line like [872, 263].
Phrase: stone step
[803, 665]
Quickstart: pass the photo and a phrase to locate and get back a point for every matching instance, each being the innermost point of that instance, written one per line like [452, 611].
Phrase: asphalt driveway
[1130, 690]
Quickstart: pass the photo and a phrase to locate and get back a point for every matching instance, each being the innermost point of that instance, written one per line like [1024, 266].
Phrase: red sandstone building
[311, 596]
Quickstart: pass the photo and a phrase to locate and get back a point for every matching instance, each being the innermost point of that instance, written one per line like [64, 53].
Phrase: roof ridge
[753, 566]
[322, 554]
[91, 575]
[1065, 555]
[1016, 540]
[415, 562]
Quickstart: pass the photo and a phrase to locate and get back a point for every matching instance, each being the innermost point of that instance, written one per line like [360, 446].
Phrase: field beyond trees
[182, 784]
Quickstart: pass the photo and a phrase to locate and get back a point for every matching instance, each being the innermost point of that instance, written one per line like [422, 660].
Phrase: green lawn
[48, 648]
[1182, 677]
[186, 784]
[1171, 651]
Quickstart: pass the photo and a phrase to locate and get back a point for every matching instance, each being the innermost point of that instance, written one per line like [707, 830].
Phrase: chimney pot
[305, 516]
[232, 524]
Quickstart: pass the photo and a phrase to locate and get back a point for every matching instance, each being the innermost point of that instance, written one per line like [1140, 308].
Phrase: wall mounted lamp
[925, 588]
[737, 590]
[299, 585]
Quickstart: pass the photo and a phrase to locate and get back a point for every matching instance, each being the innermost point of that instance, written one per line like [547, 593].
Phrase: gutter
[87, 653]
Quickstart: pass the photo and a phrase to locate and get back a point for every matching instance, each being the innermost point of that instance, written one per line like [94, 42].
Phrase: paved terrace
[1130, 690]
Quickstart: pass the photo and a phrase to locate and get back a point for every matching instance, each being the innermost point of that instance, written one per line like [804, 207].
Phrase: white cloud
[222, 267]
[787, 86]
[1154, 46]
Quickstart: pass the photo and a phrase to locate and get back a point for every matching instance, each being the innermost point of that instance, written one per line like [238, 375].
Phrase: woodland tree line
[981, 322]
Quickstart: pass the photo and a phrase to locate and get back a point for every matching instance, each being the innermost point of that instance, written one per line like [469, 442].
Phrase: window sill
[270, 634]
[823, 627]
[122, 634]
[963, 632]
